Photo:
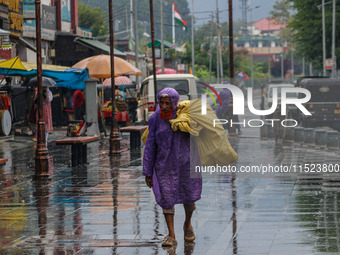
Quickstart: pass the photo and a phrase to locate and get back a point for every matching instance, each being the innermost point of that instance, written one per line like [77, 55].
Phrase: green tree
[307, 25]
[281, 14]
[93, 19]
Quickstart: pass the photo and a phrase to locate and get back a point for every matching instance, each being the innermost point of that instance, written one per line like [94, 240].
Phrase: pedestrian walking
[47, 113]
[166, 166]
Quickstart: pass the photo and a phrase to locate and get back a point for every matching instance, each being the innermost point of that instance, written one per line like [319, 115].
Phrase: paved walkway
[106, 208]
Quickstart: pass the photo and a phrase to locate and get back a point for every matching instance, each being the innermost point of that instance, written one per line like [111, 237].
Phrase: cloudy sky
[203, 8]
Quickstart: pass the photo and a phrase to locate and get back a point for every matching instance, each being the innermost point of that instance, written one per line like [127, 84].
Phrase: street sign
[329, 63]
[180, 67]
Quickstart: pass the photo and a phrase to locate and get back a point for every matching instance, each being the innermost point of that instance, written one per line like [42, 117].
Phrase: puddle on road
[105, 206]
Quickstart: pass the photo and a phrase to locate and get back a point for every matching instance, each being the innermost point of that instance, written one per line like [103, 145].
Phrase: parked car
[324, 104]
[185, 84]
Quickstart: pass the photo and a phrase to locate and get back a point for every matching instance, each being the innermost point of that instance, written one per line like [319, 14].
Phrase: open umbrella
[99, 67]
[242, 76]
[118, 81]
[46, 82]
[166, 71]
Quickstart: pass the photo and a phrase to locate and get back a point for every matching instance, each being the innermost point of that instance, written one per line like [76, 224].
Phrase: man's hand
[148, 181]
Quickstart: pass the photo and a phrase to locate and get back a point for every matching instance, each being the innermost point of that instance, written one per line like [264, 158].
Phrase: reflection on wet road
[106, 208]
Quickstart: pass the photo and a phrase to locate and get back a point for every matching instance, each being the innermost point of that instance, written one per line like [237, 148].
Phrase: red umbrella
[118, 81]
[166, 71]
[242, 76]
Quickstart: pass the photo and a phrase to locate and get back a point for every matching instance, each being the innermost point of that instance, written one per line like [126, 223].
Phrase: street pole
[292, 60]
[333, 43]
[173, 23]
[303, 66]
[41, 154]
[136, 40]
[131, 17]
[210, 57]
[192, 39]
[251, 45]
[323, 38]
[269, 50]
[114, 136]
[219, 42]
[217, 49]
[231, 42]
[162, 37]
[153, 50]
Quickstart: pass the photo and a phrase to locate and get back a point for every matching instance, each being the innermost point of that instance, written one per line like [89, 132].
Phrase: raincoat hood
[174, 97]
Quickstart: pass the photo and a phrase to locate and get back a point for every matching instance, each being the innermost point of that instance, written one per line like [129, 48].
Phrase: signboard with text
[48, 17]
[329, 63]
[15, 17]
[30, 31]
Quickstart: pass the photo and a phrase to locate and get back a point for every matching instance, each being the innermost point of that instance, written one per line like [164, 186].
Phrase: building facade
[56, 15]
[263, 39]
[11, 25]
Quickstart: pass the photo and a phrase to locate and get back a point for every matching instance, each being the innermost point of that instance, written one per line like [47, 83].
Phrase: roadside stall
[125, 96]
[100, 67]
[20, 95]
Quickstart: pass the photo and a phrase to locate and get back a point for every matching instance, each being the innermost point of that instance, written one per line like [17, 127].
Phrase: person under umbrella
[47, 99]
[47, 112]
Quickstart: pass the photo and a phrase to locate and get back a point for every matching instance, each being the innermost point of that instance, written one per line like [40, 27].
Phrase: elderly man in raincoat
[166, 165]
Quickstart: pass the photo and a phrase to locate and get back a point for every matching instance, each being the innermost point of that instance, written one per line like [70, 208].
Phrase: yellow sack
[212, 142]
[145, 135]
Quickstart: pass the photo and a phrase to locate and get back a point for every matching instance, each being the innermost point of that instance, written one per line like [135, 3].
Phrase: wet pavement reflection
[104, 207]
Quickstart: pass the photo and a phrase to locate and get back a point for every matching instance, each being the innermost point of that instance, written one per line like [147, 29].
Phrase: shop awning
[158, 43]
[22, 41]
[30, 66]
[97, 45]
[72, 78]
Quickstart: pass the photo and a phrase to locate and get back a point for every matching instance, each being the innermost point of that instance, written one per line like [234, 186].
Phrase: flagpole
[173, 23]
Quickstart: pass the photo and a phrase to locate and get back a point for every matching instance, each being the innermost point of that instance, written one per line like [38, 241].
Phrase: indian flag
[179, 19]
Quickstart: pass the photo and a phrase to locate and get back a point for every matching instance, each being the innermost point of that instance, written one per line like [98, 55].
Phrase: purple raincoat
[167, 160]
[221, 111]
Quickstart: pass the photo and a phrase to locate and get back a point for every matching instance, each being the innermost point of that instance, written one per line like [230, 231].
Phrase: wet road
[106, 208]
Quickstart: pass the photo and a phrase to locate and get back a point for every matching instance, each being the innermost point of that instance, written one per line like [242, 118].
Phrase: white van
[185, 85]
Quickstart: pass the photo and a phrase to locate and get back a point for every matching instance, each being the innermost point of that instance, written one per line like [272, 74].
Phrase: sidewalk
[105, 207]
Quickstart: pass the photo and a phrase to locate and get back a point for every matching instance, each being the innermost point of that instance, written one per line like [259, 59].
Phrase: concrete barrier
[298, 134]
[320, 138]
[263, 132]
[332, 139]
[289, 134]
[270, 131]
[309, 136]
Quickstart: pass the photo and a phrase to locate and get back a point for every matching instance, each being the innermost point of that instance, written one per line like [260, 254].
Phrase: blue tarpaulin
[71, 78]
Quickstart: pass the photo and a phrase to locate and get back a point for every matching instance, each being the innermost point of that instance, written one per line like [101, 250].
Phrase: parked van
[185, 85]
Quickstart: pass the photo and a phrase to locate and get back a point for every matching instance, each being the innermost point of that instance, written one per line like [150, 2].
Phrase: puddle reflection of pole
[79, 178]
[234, 204]
[156, 225]
[114, 135]
[114, 165]
[41, 195]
